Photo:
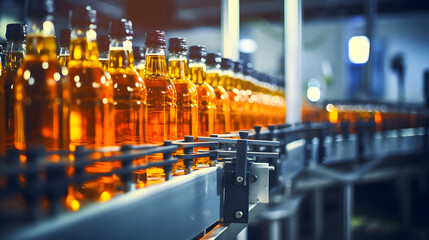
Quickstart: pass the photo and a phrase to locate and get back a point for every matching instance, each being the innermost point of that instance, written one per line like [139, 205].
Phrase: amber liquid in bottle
[140, 68]
[104, 63]
[7, 79]
[42, 97]
[64, 60]
[206, 96]
[222, 120]
[161, 104]
[91, 113]
[187, 100]
[206, 104]
[130, 103]
[129, 99]
[234, 98]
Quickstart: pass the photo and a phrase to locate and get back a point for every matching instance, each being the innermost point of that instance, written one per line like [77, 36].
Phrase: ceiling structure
[169, 14]
[182, 14]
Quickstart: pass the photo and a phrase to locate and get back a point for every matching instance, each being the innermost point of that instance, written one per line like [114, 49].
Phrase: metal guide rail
[32, 192]
[244, 168]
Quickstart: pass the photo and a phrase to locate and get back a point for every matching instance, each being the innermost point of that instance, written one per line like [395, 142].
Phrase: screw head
[240, 179]
[238, 214]
[253, 178]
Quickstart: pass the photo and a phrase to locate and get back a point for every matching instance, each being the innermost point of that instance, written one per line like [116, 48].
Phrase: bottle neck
[104, 55]
[227, 79]
[64, 51]
[198, 71]
[237, 80]
[15, 55]
[178, 65]
[121, 54]
[155, 63]
[41, 38]
[213, 76]
[83, 45]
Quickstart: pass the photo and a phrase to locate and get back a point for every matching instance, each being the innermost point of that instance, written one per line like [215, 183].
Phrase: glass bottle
[187, 95]
[103, 42]
[16, 35]
[129, 91]
[227, 66]
[42, 92]
[139, 55]
[91, 115]
[206, 94]
[243, 104]
[161, 98]
[91, 112]
[64, 44]
[252, 96]
[222, 122]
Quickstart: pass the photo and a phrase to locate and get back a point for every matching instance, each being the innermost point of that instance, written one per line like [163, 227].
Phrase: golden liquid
[130, 101]
[206, 105]
[234, 101]
[7, 80]
[64, 60]
[91, 116]
[222, 120]
[140, 68]
[161, 105]
[187, 102]
[42, 98]
[187, 99]
[243, 105]
[104, 63]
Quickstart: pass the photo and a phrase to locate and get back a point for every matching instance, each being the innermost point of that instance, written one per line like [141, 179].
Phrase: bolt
[253, 178]
[238, 214]
[240, 179]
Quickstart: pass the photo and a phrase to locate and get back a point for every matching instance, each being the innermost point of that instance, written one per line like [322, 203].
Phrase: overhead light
[313, 90]
[359, 49]
[248, 45]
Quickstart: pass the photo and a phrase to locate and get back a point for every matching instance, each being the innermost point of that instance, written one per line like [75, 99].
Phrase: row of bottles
[102, 91]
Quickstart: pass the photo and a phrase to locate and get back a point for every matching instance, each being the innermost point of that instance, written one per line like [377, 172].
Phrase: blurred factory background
[397, 29]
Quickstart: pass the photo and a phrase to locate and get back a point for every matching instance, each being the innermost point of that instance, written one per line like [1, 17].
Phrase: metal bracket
[259, 183]
[236, 201]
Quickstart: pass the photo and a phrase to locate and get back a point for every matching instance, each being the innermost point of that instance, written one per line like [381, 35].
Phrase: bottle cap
[16, 32]
[197, 52]
[139, 53]
[65, 37]
[227, 64]
[177, 44]
[39, 8]
[213, 59]
[121, 28]
[238, 66]
[248, 69]
[82, 17]
[103, 42]
[156, 37]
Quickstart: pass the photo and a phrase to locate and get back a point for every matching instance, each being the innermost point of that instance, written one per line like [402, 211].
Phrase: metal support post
[293, 226]
[347, 211]
[292, 53]
[230, 28]
[318, 214]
